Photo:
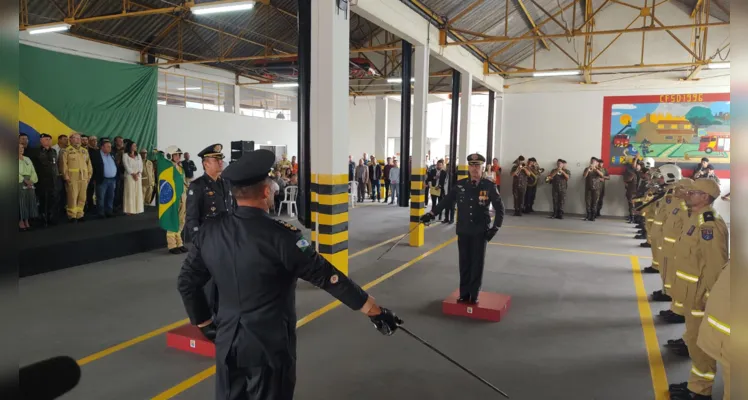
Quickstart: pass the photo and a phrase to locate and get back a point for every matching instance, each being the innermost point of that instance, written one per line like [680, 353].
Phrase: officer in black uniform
[45, 163]
[256, 261]
[208, 196]
[473, 196]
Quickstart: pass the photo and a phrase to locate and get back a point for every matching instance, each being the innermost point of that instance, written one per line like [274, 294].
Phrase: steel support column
[407, 68]
[489, 135]
[304, 44]
[454, 126]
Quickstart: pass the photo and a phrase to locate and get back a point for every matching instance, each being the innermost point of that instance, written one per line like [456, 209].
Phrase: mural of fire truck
[711, 143]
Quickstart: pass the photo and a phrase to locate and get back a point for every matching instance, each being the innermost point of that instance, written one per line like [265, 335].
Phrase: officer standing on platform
[559, 180]
[700, 255]
[77, 171]
[519, 184]
[45, 163]
[473, 196]
[256, 261]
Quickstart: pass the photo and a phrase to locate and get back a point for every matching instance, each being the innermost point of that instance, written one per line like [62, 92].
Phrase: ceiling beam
[531, 22]
[607, 68]
[271, 57]
[502, 39]
[696, 7]
[464, 12]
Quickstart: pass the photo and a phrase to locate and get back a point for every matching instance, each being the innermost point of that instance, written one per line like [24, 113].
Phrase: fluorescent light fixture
[398, 80]
[221, 7]
[285, 85]
[49, 28]
[190, 88]
[557, 73]
[718, 65]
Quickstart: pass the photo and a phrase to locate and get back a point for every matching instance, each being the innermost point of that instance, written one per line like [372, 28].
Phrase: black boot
[650, 270]
[674, 318]
[657, 295]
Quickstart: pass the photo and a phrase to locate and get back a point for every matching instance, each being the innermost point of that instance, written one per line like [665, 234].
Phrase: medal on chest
[483, 197]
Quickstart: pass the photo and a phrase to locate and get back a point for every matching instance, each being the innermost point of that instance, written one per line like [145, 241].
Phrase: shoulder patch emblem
[708, 216]
[668, 200]
[334, 279]
[303, 244]
[690, 230]
[707, 233]
[191, 192]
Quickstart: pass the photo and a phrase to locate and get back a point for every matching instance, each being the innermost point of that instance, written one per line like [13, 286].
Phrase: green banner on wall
[63, 93]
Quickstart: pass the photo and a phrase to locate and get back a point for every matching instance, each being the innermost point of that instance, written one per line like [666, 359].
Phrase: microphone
[49, 379]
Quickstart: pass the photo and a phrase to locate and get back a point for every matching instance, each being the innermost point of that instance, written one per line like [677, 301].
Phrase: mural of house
[667, 130]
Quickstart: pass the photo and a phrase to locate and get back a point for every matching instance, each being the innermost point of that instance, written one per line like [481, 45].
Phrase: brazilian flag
[170, 188]
[63, 93]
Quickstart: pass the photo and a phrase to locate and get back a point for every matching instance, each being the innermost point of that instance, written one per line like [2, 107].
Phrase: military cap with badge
[212, 151]
[476, 159]
[251, 168]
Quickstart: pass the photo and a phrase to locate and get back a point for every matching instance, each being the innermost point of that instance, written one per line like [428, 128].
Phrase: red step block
[490, 307]
[189, 338]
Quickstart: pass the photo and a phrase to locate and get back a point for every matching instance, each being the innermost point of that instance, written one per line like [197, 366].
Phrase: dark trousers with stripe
[472, 250]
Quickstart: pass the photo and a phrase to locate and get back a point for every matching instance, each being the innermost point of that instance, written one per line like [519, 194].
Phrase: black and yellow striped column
[332, 219]
[417, 207]
[313, 208]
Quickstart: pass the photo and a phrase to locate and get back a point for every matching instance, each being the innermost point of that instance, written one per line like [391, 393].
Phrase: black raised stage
[67, 245]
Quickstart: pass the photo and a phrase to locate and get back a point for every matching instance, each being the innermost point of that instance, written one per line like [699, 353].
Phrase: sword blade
[474, 375]
[398, 241]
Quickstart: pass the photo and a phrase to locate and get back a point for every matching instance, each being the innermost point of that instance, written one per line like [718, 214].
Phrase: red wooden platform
[490, 307]
[189, 338]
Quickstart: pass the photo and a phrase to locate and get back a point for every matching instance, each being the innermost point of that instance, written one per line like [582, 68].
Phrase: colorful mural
[678, 129]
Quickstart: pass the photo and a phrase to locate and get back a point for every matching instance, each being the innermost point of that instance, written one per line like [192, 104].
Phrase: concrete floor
[574, 329]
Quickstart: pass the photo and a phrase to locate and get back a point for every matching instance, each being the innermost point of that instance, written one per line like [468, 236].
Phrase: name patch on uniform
[690, 230]
[303, 244]
[707, 233]
[675, 211]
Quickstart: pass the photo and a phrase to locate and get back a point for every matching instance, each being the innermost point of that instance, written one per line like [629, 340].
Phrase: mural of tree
[701, 116]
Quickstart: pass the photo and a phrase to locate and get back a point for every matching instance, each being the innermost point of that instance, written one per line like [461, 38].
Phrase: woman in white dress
[133, 197]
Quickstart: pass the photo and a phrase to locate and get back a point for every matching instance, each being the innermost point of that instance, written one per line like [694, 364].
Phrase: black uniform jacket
[255, 262]
[472, 206]
[207, 198]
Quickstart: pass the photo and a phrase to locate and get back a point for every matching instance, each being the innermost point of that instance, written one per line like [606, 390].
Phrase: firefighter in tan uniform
[174, 239]
[671, 175]
[700, 254]
[148, 178]
[676, 215]
[714, 333]
[76, 169]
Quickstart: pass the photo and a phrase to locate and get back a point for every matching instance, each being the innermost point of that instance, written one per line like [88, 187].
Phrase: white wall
[192, 130]
[567, 125]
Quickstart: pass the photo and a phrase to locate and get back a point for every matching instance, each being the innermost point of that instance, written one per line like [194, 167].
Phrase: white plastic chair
[289, 201]
[353, 195]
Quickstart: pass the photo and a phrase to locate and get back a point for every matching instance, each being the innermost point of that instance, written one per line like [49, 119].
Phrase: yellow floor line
[566, 250]
[167, 328]
[205, 374]
[532, 228]
[656, 366]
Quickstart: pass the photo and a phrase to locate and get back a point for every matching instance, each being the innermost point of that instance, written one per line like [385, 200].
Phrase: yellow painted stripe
[340, 179]
[332, 199]
[416, 185]
[656, 366]
[417, 212]
[462, 167]
[597, 253]
[201, 376]
[330, 240]
[325, 219]
[368, 249]
[417, 198]
[566, 231]
[418, 171]
[124, 345]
